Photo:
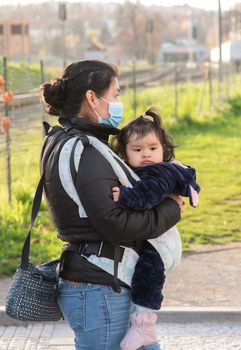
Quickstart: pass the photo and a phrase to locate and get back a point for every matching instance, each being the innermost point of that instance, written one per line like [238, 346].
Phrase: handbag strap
[35, 209]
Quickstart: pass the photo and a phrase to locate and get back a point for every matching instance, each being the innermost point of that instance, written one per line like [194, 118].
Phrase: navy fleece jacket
[157, 182]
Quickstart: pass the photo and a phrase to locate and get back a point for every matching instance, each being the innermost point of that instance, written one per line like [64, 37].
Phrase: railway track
[27, 113]
[143, 78]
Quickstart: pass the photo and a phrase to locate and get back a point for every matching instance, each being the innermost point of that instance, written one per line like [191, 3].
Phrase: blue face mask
[116, 114]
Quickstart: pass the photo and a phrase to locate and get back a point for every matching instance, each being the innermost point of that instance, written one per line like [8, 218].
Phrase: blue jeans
[98, 316]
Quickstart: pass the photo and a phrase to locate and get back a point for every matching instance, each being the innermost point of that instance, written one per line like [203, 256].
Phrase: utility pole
[8, 140]
[63, 17]
[134, 88]
[149, 32]
[176, 88]
[220, 77]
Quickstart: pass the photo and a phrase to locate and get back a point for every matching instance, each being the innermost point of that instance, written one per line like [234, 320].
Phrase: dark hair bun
[53, 94]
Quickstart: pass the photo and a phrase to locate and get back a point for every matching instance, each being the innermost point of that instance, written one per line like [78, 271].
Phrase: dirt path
[209, 277]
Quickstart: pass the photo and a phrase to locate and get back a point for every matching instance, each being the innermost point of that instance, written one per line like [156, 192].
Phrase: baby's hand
[116, 193]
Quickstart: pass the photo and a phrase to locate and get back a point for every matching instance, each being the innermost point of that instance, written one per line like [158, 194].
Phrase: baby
[148, 149]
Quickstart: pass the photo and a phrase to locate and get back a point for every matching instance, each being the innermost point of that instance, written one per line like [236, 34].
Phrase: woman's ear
[91, 98]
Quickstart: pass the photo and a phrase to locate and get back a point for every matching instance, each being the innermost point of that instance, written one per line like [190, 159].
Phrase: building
[14, 39]
[231, 52]
[95, 51]
[170, 52]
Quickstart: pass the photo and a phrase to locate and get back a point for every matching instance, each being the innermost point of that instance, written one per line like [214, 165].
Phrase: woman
[96, 304]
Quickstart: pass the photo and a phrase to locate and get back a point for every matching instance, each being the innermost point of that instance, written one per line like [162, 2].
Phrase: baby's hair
[141, 127]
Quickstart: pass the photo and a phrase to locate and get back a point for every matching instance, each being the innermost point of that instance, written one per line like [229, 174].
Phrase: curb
[199, 314]
[167, 314]
[5, 320]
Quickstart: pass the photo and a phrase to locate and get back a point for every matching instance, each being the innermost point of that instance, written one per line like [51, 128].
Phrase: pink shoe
[142, 331]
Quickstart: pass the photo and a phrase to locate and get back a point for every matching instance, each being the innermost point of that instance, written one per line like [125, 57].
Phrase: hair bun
[53, 94]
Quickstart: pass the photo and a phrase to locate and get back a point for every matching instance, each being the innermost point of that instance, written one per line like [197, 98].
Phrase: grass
[15, 218]
[214, 151]
[210, 141]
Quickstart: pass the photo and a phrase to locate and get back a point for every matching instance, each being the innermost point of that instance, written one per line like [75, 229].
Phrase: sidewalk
[172, 336]
[201, 309]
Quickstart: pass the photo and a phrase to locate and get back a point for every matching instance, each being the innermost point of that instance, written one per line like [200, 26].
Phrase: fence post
[210, 86]
[227, 81]
[175, 90]
[202, 95]
[42, 79]
[8, 140]
[134, 88]
[42, 71]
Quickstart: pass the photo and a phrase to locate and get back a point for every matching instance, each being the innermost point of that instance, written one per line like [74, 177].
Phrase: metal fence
[19, 146]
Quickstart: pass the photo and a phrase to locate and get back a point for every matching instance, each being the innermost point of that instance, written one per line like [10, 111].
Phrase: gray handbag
[33, 293]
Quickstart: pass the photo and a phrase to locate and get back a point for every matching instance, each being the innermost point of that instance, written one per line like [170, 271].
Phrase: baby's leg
[148, 279]
[147, 284]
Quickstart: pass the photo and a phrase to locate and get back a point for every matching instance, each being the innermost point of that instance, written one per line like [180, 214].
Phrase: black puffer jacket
[106, 221]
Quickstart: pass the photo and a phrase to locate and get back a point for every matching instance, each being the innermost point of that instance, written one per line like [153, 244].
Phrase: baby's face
[144, 151]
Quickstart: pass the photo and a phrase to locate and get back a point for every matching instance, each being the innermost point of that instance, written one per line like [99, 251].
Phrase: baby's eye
[137, 150]
[153, 148]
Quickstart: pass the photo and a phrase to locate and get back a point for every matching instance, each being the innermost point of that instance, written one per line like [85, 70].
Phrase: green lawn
[210, 143]
[215, 151]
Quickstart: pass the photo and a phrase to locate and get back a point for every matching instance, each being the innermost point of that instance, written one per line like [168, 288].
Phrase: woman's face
[94, 106]
[111, 95]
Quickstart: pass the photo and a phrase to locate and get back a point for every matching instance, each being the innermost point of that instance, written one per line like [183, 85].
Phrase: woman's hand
[180, 201]
[116, 193]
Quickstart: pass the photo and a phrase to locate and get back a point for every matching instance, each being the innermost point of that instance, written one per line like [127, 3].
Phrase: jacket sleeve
[94, 184]
[155, 185]
[157, 182]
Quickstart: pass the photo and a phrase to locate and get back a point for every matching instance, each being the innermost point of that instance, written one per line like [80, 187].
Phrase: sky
[204, 4]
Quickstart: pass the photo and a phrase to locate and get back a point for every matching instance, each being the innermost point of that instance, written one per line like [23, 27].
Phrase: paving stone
[172, 336]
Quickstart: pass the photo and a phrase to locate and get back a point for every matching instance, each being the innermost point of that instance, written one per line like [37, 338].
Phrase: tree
[139, 30]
